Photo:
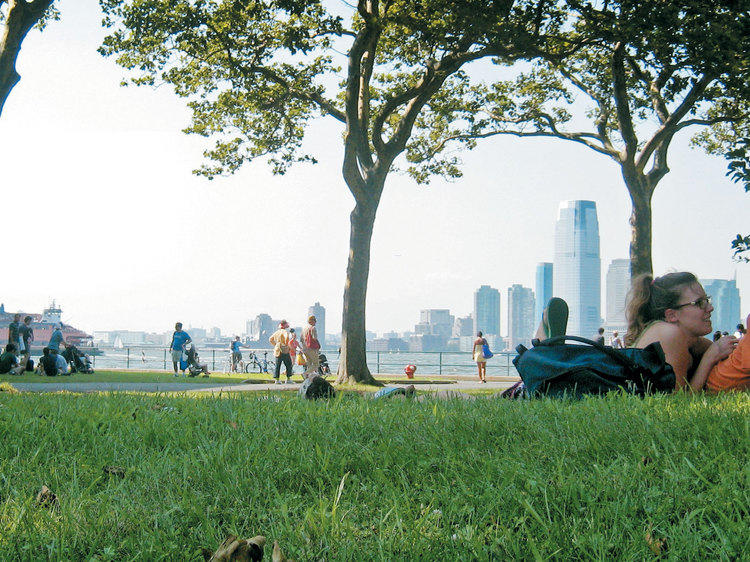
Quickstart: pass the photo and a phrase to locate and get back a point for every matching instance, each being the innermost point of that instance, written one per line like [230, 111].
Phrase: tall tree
[256, 72]
[17, 17]
[649, 70]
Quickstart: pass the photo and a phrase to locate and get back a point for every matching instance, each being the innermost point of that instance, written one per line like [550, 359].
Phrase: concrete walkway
[157, 387]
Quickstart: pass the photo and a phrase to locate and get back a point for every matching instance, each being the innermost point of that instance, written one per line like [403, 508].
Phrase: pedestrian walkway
[158, 387]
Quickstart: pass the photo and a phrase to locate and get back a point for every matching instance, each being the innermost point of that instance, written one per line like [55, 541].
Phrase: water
[428, 363]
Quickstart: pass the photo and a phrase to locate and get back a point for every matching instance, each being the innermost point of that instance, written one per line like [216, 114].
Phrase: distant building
[435, 321]
[320, 316]
[543, 288]
[427, 342]
[487, 310]
[725, 298]
[520, 315]
[387, 344]
[214, 333]
[618, 285]
[577, 266]
[463, 327]
[198, 335]
[261, 328]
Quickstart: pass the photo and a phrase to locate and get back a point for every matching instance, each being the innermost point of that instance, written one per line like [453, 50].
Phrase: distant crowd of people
[16, 358]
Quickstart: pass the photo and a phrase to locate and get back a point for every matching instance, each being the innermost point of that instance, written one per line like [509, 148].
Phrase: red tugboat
[43, 325]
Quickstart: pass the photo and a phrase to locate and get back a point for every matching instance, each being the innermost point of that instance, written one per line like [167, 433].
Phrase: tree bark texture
[353, 361]
[640, 223]
[22, 16]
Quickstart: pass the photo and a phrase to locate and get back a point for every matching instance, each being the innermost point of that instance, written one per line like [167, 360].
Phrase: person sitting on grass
[9, 362]
[62, 364]
[47, 363]
[675, 311]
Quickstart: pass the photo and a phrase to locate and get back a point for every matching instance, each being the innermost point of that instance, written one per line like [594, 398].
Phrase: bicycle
[255, 364]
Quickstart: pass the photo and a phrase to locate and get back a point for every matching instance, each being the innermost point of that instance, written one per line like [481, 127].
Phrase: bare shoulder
[664, 333]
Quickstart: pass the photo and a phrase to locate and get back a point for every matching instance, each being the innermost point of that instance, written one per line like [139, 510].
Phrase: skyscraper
[577, 267]
[543, 288]
[725, 298]
[320, 315]
[487, 310]
[618, 285]
[520, 315]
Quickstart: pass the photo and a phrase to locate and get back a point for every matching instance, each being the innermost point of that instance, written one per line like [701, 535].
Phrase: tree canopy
[646, 70]
[393, 73]
[622, 78]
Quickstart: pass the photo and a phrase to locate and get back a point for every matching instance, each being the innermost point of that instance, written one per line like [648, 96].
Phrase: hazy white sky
[103, 214]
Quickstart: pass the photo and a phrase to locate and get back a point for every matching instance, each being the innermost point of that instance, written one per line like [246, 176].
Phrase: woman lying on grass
[675, 311]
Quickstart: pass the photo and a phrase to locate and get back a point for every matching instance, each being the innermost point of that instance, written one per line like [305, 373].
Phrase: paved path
[156, 387]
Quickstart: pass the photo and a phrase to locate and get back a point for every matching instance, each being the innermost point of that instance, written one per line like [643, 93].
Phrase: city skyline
[159, 244]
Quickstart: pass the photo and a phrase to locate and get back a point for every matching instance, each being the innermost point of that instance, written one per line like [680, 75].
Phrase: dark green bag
[555, 368]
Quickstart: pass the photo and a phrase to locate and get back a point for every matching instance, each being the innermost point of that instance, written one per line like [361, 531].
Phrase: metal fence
[390, 362]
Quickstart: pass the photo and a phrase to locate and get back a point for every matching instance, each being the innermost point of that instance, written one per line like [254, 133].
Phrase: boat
[43, 325]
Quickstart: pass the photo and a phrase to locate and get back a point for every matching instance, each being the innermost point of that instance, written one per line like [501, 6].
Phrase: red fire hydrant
[409, 370]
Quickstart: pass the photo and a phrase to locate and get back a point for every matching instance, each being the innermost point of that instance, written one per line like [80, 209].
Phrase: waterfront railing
[380, 362]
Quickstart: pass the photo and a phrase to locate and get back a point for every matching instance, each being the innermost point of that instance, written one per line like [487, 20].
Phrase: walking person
[14, 330]
[478, 353]
[311, 347]
[236, 355]
[177, 346]
[56, 339]
[293, 347]
[616, 340]
[26, 333]
[280, 341]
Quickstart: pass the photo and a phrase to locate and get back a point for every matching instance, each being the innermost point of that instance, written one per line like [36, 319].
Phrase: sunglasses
[702, 303]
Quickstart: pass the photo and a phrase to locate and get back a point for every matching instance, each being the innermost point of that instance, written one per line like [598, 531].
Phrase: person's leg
[277, 371]
[484, 372]
[554, 320]
[288, 366]
[315, 358]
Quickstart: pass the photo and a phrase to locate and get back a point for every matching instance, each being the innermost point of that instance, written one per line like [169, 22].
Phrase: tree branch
[620, 92]
[670, 125]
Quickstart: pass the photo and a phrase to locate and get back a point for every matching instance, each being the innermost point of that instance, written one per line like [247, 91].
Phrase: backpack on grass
[555, 368]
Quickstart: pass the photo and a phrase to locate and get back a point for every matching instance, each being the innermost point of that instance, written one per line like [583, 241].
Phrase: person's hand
[725, 345]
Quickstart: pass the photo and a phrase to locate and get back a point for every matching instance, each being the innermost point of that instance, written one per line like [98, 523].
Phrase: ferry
[43, 325]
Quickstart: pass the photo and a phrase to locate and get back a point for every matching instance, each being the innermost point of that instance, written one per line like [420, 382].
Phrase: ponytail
[649, 298]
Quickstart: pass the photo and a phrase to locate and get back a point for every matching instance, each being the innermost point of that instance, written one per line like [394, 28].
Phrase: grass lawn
[350, 479]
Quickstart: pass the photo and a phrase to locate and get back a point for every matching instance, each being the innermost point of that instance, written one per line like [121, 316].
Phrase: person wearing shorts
[26, 333]
[179, 339]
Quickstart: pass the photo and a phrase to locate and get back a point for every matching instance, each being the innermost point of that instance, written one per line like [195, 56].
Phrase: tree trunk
[21, 16]
[640, 224]
[353, 361]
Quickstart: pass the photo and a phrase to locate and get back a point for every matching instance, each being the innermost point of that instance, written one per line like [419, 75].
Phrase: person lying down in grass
[675, 311]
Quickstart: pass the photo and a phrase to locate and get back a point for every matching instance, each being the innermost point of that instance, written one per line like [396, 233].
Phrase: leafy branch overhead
[256, 73]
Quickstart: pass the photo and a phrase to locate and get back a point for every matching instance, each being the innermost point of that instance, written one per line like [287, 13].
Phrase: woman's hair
[479, 334]
[650, 297]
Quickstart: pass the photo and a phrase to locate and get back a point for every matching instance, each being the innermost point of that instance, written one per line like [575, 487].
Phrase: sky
[105, 216]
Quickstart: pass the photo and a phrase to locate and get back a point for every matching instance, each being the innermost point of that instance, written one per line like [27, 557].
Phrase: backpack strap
[613, 353]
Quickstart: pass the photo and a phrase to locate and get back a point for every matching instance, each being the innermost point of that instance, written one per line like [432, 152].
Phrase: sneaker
[555, 318]
[276, 381]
